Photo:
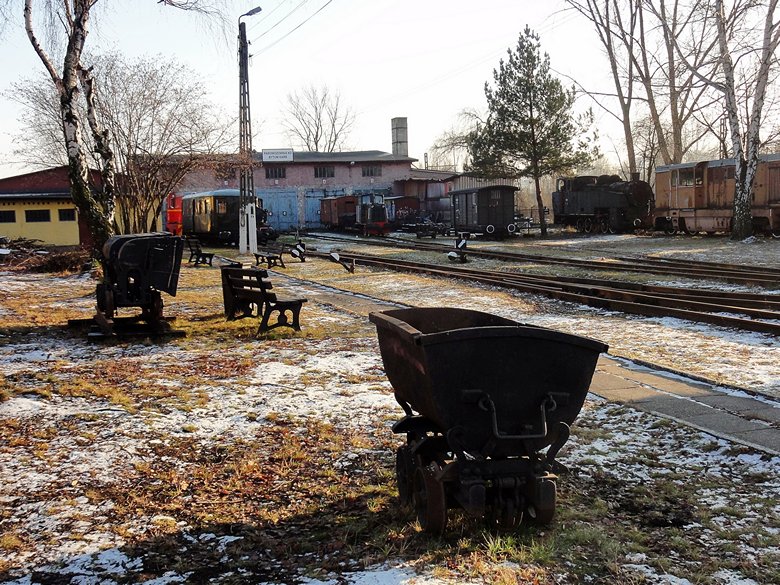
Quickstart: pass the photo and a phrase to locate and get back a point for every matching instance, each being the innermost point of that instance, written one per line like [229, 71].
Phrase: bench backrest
[236, 281]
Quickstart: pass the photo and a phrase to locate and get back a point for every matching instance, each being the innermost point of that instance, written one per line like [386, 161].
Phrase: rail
[761, 311]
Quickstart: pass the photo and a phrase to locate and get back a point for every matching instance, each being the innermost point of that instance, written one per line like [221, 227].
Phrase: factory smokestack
[400, 137]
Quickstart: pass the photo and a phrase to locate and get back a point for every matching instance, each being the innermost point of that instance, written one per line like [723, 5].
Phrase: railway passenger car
[213, 216]
[699, 197]
[365, 213]
[603, 204]
[489, 211]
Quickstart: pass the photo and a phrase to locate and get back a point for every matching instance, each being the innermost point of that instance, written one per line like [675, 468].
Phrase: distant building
[38, 206]
[292, 184]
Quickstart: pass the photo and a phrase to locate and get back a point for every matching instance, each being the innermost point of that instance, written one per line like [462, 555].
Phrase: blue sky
[423, 59]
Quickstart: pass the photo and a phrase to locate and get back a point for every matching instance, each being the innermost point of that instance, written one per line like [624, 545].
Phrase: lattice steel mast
[247, 223]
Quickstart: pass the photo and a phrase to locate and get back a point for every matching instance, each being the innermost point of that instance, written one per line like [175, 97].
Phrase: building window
[324, 172]
[372, 171]
[67, 214]
[37, 215]
[7, 216]
[275, 172]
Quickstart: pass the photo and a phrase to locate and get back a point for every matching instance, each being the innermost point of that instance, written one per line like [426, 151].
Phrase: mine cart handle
[483, 400]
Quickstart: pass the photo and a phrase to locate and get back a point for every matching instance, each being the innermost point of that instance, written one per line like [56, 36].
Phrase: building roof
[358, 156]
[431, 175]
[27, 196]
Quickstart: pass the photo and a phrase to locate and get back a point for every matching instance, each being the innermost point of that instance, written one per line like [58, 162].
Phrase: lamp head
[252, 12]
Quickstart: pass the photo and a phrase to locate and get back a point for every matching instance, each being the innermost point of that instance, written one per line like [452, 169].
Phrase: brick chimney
[400, 137]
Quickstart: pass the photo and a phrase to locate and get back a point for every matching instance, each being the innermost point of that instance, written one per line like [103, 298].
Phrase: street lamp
[247, 224]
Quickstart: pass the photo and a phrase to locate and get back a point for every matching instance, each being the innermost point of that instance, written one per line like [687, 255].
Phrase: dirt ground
[220, 457]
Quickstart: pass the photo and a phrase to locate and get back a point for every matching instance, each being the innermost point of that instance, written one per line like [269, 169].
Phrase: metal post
[247, 223]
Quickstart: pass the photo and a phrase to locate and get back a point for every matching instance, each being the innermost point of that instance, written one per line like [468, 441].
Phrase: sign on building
[272, 155]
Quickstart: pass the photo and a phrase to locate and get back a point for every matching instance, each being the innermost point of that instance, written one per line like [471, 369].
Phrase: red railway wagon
[699, 197]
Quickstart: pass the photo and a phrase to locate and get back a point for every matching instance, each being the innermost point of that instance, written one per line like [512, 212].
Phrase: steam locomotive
[603, 204]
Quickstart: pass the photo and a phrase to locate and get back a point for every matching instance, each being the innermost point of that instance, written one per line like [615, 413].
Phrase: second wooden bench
[246, 290]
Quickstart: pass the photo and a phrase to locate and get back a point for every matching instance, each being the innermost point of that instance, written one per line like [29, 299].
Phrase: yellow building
[38, 206]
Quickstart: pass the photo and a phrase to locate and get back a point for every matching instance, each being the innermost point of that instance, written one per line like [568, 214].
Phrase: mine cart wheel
[404, 475]
[506, 512]
[542, 510]
[430, 502]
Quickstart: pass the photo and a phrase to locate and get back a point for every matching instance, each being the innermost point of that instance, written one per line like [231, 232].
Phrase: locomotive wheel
[430, 502]
[604, 226]
[404, 475]
[776, 234]
[587, 225]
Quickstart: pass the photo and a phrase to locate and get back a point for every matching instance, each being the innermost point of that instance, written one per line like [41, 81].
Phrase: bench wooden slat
[245, 290]
[196, 252]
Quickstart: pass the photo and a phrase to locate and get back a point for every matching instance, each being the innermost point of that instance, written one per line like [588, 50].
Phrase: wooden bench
[247, 292]
[197, 254]
[271, 253]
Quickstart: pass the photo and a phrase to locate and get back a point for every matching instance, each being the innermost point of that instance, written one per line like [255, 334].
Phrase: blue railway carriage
[487, 211]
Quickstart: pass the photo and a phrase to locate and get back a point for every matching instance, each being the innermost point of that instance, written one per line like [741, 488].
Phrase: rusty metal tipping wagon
[483, 397]
[138, 268]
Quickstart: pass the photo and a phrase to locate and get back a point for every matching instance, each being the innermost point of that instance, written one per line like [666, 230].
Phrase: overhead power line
[281, 20]
[280, 39]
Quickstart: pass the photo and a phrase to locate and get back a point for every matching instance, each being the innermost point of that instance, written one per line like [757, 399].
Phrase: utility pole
[247, 220]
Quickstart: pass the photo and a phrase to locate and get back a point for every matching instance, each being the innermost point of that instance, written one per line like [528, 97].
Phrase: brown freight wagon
[699, 197]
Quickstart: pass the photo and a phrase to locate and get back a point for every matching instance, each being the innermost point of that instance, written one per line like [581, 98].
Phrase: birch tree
[745, 139]
[160, 123]
[747, 36]
[66, 25]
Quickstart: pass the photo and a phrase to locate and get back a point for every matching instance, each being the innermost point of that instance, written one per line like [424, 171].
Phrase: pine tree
[531, 131]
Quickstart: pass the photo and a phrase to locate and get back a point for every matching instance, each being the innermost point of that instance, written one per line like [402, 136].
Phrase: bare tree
[639, 38]
[450, 150]
[65, 24]
[317, 120]
[616, 35]
[163, 125]
[747, 37]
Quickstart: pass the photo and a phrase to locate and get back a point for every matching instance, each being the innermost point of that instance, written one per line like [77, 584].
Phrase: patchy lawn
[223, 458]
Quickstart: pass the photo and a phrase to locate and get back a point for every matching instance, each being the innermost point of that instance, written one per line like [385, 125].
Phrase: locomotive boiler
[603, 204]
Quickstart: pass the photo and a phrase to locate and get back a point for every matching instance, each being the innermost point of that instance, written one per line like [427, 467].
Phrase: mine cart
[138, 268]
[484, 396]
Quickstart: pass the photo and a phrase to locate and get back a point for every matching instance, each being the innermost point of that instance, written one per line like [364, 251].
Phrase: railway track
[746, 311]
[731, 273]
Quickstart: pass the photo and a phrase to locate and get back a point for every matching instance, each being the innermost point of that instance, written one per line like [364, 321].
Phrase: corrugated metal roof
[429, 175]
[723, 162]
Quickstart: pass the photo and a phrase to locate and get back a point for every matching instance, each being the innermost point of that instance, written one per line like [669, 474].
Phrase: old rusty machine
[484, 396]
[138, 268]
